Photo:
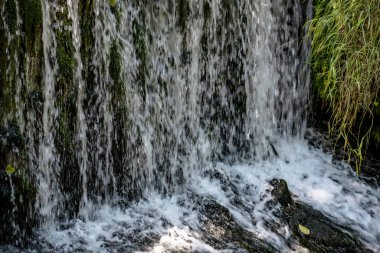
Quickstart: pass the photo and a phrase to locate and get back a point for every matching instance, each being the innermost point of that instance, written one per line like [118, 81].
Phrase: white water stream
[331, 188]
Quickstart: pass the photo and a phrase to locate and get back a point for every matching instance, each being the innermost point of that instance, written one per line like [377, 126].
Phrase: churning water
[176, 222]
[169, 94]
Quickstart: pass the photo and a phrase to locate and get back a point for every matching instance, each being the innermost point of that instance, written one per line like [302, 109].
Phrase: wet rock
[370, 171]
[17, 197]
[11, 142]
[311, 228]
[281, 192]
[17, 193]
[221, 231]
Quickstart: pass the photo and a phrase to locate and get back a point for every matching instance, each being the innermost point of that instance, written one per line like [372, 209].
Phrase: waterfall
[78, 80]
[129, 123]
[158, 90]
[48, 168]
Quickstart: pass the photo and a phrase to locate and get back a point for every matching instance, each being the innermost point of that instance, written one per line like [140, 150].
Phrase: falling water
[170, 87]
[15, 226]
[47, 166]
[149, 99]
[101, 114]
[78, 80]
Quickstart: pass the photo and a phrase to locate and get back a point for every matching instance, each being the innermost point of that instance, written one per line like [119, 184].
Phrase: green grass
[345, 62]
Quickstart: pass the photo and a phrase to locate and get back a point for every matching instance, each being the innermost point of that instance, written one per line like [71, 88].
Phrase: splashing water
[175, 101]
[167, 224]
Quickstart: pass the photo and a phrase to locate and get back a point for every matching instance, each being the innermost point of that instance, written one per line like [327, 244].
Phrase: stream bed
[183, 222]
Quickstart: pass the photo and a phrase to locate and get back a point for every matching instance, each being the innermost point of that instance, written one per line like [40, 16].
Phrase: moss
[66, 127]
[26, 188]
[11, 15]
[31, 49]
[118, 90]
[31, 13]
[248, 248]
[8, 102]
[86, 25]
[66, 95]
[7, 65]
[115, 10]
[65, 90]
[65, 48]
[65, 58]
[281, 192]
[66, 145]
[112, 3]
[119, 108]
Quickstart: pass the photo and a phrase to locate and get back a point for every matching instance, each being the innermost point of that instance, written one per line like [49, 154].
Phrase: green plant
[376, 137]
[112, 3]
[345, 61]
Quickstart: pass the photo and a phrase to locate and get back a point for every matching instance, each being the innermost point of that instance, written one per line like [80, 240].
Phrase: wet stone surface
[321, 234]
[17, 192]
[222, 231]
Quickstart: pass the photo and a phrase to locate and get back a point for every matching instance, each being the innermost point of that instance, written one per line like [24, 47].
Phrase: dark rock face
[322, 234]
[325, 235]
[17, 193]
[17, 197]
[221, 230]
[281, 192]
[10, 143]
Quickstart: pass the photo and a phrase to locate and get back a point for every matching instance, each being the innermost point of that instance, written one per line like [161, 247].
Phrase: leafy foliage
[112, 3]
[10, 169]
[346, 67]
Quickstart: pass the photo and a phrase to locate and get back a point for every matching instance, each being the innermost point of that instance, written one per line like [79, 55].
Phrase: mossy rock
[17, 197]
[11, 15]
[31, 13]
[11, 139]
[281, 192]
[230, 233]
[311, 228]
[112, 3]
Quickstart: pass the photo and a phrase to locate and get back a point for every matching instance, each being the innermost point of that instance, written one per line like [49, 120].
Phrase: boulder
[281, 192]
[311, 228]
[221, 230]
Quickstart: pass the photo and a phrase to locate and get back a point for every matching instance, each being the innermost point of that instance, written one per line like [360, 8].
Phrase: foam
[244, 189]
